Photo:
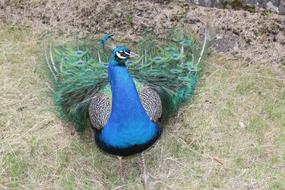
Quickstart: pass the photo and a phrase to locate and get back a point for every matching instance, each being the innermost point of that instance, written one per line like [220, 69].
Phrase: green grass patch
[15, 166]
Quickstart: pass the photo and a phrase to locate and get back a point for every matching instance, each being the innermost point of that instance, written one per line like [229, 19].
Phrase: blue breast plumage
[129, 129]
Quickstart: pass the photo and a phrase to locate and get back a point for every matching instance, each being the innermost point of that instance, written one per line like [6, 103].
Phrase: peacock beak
[132, 54]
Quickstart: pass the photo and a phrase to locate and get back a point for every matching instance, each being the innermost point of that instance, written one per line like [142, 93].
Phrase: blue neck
[129, 124]
[126, 103]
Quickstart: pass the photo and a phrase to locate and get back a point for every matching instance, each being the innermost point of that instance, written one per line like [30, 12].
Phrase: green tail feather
[171, 65]
[78, 71]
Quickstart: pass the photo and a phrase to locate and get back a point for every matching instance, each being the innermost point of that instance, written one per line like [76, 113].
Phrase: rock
[277, 6]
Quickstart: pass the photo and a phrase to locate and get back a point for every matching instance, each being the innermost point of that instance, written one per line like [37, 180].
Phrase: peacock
[125, 97]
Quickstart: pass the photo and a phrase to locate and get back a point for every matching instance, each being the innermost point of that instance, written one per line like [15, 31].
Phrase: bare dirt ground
[256, 37]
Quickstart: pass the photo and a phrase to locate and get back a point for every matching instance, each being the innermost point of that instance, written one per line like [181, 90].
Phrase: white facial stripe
[127, 53]
[119, 56]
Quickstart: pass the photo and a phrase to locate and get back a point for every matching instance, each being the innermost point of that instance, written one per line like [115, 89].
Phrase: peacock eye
[123, 54]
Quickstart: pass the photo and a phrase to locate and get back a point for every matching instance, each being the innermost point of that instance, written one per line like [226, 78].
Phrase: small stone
[236, 46]
[219, 36]
[242, 125]
[271, 7]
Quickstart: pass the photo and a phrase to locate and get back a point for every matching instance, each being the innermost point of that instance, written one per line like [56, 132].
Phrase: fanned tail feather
[171, 65]
[78, 70]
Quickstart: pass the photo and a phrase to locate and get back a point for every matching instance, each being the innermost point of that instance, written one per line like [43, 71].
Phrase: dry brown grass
[230, 136]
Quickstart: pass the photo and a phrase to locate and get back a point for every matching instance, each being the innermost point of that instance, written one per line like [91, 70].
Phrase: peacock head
[121, 54]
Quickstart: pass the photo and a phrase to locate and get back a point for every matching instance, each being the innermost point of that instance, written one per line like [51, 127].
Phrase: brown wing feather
[99, 110]
[100, 107]
[151, 102]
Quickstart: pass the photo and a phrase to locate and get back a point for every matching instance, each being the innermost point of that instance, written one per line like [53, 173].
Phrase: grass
[230, 136]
